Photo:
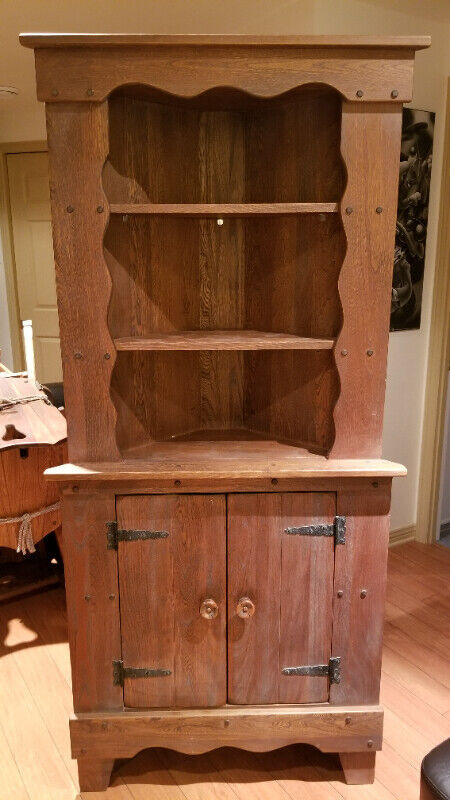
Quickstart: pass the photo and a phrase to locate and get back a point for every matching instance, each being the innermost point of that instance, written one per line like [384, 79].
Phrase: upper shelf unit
[224, 248]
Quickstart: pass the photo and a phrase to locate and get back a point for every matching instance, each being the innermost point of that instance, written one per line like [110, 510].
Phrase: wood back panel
[371, 152]
[289, 579]
[275, 274]
[292, 149]
[78, 147]
[196, 395]
[162, 585]
[292, 270]
[178, 152]
[289, 396]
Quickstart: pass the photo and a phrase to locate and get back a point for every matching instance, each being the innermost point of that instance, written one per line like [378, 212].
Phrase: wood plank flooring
[35, 701]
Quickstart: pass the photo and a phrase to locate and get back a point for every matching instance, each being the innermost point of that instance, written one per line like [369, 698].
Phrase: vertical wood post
[360, 575]
[92, 601]
[370, 146]
[78, 148]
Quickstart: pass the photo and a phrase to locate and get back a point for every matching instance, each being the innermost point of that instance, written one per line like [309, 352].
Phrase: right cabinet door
[280, 596]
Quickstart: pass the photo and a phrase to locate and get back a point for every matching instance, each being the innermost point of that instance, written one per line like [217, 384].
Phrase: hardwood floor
[35, 701]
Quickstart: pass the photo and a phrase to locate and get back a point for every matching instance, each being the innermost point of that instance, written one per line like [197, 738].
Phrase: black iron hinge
[332, 670]
[120, 673]
[336, 529]
[114, 535]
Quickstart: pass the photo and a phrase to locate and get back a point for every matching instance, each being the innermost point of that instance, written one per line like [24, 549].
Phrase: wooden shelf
[224, 460]
[46, 40]
[222, 209]
[222, 340]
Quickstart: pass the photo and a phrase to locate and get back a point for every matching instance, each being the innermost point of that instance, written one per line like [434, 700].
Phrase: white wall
[407, 350]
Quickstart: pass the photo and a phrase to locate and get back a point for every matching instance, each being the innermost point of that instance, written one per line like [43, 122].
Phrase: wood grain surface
[94, 39]
[24, 489]
[82, 279]
[222, 340]
[173, 276]
[289, 580]
[259, 69]
[162, 585]
[366, 276]
[360, 573]
[223, 209]
[358, 767]
[92, 601]
[94, 774]
[233, 460]
[29, 423]
[262, 727]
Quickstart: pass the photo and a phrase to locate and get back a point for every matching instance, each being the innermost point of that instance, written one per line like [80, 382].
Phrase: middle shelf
[222, 340]
[223, 209]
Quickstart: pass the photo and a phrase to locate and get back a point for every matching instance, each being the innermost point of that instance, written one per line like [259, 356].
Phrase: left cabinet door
[173, 599]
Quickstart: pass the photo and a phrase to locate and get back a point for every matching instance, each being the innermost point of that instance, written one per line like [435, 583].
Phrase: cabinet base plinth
[348, 731]
[94, 774]
[358, 768]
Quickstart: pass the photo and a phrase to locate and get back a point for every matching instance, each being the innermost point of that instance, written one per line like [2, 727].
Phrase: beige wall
[407, 350]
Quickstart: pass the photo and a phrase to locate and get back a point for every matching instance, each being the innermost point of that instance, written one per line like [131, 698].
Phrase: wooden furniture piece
[32, 439]
[223, 215]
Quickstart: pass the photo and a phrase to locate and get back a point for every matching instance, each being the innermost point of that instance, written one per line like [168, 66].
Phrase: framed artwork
[412, 218]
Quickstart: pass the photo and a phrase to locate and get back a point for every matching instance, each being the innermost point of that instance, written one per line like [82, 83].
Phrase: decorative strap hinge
[120, 673]
[114, 535]
[332, 670]
[336, 529]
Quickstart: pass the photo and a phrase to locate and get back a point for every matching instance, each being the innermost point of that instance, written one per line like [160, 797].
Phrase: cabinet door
[163, 583]
[288, 580]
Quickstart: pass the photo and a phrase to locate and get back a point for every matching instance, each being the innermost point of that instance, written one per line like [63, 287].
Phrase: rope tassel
[25, 543]
[25, 538]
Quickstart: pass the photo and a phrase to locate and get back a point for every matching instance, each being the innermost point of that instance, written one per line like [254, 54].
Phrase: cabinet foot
[94, 774]
[358, 768]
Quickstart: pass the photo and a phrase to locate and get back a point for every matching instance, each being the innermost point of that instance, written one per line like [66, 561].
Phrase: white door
[33, 251]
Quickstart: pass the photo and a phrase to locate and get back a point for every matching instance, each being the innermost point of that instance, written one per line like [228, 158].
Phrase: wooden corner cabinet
[223, 218]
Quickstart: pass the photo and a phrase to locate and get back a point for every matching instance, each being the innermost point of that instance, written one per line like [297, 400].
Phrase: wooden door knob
[245, 608]
[209, 609]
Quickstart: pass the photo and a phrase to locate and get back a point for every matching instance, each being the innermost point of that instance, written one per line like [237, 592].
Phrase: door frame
[7, 244]
[438, 364]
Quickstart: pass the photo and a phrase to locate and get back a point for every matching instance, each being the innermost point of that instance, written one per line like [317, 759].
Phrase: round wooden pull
[209, 609]
[245, 608]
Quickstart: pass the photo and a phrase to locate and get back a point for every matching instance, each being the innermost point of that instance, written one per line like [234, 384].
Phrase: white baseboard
[402, 535]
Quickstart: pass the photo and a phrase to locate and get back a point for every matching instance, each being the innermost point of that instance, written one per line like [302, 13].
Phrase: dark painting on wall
[412, 218]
